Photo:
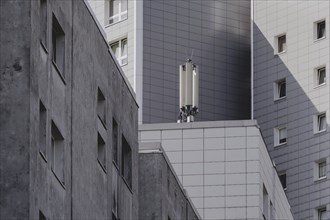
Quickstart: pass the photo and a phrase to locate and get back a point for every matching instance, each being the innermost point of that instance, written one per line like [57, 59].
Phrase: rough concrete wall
[14, 108]
[296, 158]
[99, 72]
[160, 195]
[218, 32]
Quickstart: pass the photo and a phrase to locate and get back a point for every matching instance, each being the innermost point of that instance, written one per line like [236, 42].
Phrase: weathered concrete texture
[161, 195]
[14, 109]
[29, 75]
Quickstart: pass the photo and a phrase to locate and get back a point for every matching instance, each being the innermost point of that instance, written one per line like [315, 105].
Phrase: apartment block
[162, 34]
[291, 97]
[224, 166]
[69, 147]
[156, 174]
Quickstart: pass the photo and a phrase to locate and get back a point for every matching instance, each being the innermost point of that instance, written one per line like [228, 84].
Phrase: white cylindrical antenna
[183, 74]
[189, 84]
[195, 87]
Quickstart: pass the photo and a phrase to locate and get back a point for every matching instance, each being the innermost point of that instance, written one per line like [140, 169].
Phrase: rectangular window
[117, 10]
[280, 135]
[321, 76]
[119, 49]
[42, 129]
[57, 150]
[280, 89]
[126, 169]
[43, 22]
[101, 106]
[280, 44]
[115, 141]
[283, 180]
[58, 45]
[320, 30]
[322, 169]
[101, 152]
[114, 192]
[321, 122]
[322, 213]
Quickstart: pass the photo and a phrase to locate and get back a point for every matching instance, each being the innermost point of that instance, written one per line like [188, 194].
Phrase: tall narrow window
[320, 29]
[57, 150]
[42, 129]
[114, 193]
[321, 120]
[117, 10]
[115, 141]
[283, 180]
[280, 89]
[43, 22]
[58, 45]
[281, 44]
[101, 106]
[265, 203]
[101, 152]
[280, 135]
[322, 169]
[119, 49]
[321, 76]
[126, 169]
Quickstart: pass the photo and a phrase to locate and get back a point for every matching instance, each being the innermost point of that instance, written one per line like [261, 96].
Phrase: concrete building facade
[156, 174]
[69, 117]
[291, 98]
[162, 34]
[224, 166]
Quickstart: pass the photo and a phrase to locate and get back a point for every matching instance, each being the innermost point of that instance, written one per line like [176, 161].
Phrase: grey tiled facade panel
[218, 32]
[303, 100]
[223, 165]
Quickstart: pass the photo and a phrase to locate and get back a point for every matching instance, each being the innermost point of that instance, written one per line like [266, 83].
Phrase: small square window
[119, 49]
[280, 44]
[280, 89]
[283, 180]
[319, 30]
[280, 135]
[322, 213]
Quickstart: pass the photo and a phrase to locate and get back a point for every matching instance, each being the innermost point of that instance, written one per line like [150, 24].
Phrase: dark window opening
[282, 43]
[101, 106]
[115, 141]
[57, 150]
[283, 180]
[43, 22]
[42, 216]
[101, 153]
[42, 129]
[321, 76]
[281, 89]
[321, 29]
[58, 45]
[126, 159]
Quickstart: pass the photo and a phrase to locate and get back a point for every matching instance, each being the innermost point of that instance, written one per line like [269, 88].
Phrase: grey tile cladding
[219, 34]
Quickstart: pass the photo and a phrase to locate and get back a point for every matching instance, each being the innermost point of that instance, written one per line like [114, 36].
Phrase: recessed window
[280, 135]
[114, 193]
[43, 22]
[283, 180]
[58, 45]
[320, 76]
[101, 153]
[320, 123]
[119, 49]
[322, 213]
[322, 169]
[126, 159]
[280, 44]
[115, 141]
[280, 89]
[101, 106]
[319, 30]
[117, 10]
[57, 150]
[265, 201]
[42, 129]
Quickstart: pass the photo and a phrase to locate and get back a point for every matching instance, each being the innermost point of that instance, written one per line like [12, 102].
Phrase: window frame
[101, 144]
[277, 141]
[277, 91]
[322, 209]
[317, 72]
[57, 139]
[317, 163]
[316, 122]
[121, 15]
[316, 30]
[277, 44]
[279, 176]
[120, 57]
